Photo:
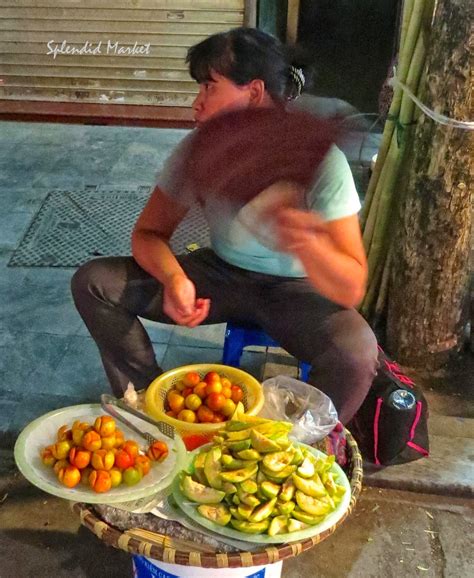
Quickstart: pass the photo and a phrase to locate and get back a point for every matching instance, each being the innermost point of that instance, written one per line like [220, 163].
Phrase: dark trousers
[110, 294]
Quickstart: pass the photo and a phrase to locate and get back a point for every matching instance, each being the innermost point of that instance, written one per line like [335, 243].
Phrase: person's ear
[257, 91]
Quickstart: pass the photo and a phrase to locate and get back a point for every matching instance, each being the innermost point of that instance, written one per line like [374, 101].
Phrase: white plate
[42, 432]
[190, 508]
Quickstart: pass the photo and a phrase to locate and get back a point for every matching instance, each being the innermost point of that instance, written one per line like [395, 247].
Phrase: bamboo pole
[385, 175]
[372, 287]
[411, 24]
[408, 49]
[383, 291]
[378, 219]
[406, 16]
[376, 232]
[407, 107]
[375, 307]
[377, 295]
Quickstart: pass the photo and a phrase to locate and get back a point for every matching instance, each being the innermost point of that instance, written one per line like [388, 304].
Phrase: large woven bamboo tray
[268, 555]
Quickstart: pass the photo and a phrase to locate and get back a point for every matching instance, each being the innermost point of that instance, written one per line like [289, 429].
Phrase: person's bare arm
[332, 253]
[151, 235]
[151, 250]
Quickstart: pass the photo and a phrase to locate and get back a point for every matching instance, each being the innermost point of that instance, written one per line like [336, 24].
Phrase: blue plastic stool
[237, 337]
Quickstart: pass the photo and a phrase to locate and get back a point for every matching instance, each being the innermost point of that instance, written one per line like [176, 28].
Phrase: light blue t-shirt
[241, 239]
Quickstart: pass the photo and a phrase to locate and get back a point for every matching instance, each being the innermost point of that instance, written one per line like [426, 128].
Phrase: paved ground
[49, 361]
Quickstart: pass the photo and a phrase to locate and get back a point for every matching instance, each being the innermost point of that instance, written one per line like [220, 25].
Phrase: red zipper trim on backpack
[416, 420]
[376, 429]
[395, 370]
[410, 443]
[418, 448]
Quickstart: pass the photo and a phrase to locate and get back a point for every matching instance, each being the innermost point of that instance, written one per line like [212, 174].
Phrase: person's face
[220, 94]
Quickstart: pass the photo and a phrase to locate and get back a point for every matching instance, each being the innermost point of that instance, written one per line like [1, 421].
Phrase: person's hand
[180, 303]
[331, 253]
[298, 230]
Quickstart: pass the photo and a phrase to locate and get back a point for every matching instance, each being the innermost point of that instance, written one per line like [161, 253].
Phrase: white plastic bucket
[147, 568]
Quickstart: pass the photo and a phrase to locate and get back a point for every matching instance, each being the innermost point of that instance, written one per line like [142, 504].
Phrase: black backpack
[391, 426]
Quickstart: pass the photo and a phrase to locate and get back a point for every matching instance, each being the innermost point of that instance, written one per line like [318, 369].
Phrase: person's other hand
[180, 303]
[298, 230]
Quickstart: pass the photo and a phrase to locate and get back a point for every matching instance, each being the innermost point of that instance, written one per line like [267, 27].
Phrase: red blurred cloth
[240, 153]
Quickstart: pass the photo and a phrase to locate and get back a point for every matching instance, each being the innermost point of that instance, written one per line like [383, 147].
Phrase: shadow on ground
[54, 553]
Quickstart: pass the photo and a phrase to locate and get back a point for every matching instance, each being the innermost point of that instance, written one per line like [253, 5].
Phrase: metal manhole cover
[71, 227]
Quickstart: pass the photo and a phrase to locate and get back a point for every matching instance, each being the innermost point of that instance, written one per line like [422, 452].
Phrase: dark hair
[244, 54]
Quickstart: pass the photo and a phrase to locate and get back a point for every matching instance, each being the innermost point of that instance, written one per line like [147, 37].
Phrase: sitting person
[302, 291]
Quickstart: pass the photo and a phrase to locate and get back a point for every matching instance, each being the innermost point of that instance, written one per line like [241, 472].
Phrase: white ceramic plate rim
[78, 494]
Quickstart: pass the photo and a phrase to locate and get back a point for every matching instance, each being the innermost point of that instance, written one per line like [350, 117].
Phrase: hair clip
[298, 77]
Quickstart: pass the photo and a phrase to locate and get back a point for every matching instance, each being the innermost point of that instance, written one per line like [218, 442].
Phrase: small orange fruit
[100, 481]
[193, 401]
[158, 451]
[176, 402]
[64, 433]
[131, 448]
[179, 386]
[228, 408]
[79, 457]
[237, 393]
[79, 429]
[226, 392]
[191, 379]
[215, 401]
[213, 387]
[104, 425]
[69, 476]
[200, 389]
[123, 460]
[226, 382]
[204, 414]
[91, 441]
[102, 460]
[108, 442]
[119, 438]
[60, 450]
[47, 456]
[59, 465]
[132, 476]
[187, 415]
[143, 463]
[212, 377]
[115, 477]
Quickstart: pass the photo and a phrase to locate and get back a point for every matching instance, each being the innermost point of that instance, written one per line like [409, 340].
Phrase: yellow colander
[196, 434]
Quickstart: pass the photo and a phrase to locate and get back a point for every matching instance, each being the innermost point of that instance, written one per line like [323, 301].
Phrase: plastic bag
[311, 411]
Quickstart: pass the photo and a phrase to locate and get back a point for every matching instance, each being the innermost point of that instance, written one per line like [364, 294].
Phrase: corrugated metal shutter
[133, 51]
